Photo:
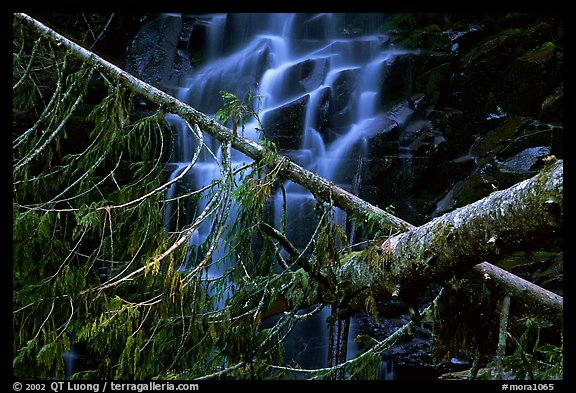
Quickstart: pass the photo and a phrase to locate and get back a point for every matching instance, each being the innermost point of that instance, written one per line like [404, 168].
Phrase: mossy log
[455, 242]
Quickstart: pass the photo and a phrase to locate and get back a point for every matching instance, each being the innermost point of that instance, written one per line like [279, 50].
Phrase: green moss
[541, 54]
[345, 258]
[428, 38]
[401, 21]
[372, 256]
[538, 32]
[441, 234]
[544, 254]
[511, 32]
[542, 202]
[433, 81]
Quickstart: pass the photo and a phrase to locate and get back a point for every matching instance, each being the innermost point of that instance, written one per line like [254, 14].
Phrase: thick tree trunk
[451, 244]
[448, 245]
[454, 244]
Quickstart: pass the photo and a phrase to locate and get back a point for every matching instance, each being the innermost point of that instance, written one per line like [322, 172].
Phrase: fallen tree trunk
[446, 246]
[532, 297]
[453, 243]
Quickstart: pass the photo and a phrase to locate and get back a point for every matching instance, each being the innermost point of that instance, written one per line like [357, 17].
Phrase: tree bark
[532, 297]
[447, 246]
[502, 337]
[453, 243]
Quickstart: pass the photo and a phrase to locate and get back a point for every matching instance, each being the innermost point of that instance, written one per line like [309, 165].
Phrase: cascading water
[321, 101]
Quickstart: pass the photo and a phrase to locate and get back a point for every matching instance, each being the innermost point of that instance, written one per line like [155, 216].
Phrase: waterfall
[321, 102]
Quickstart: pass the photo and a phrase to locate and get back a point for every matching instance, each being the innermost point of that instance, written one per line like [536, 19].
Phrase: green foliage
[69, 237]
[441, 234]
[533, 359]
[366, 368]
[331, 239]
[238, 111]
[373, 224]
[464, 320]
[371, 308]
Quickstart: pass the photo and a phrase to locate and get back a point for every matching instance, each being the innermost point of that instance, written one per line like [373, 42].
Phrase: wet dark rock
[239, 26]
[398, 78]
[540, 267]
[417, 73]
[451, 124]
[497, 138]
[472, 188]
[534, 76]
[154, 55]
[503, 156]
[429, 37]
[324, 108]
[410, 356]
[341, 104]
[284, 125]
[435, 83]
[303, 77]
[484, 70]
[492, 175]
[467, 39]
[527, 161]
[553, 106]
[432, 184]
[515, 69]
[316, 26]
[528, 134]
[505, 42]
[237, 77]
[197, 38]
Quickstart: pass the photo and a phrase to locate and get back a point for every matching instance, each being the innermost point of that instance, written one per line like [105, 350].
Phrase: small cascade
[321, 102]
[387, 370]
[70, 358]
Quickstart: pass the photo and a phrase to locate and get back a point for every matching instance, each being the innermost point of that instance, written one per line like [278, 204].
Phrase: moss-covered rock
[553, 106]
[534, 76]
[484, 72]
[495, 139]
[435, 84]
[430, 38]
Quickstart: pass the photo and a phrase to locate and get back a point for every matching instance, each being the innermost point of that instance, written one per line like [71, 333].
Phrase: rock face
[489, 111]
